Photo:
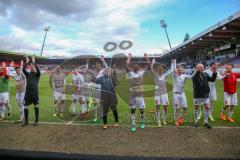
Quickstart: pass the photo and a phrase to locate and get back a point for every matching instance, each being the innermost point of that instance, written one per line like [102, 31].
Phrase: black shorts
[31, 99]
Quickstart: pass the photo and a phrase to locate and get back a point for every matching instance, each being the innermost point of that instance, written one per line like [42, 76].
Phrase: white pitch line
[125, 125]
[71, 122]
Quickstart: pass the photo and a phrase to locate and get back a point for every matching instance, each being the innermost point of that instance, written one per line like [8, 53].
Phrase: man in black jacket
[31, 95]
[201, 92]
[108, 97]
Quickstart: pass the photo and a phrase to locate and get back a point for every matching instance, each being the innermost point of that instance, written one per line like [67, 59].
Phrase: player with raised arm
[58, 79]
[20, 82]
[201, 92]
[108, 97]
[161, 94]
[213, 92]
[99, 72]
[4, 92]
[230, 92]
[179, 97]
[135, 76]
[31, 95]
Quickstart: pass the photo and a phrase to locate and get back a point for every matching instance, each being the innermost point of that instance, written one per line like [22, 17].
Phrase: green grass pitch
[46, 104]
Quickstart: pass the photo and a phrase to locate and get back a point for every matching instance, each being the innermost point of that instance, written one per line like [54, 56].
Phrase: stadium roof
[18, 54]
[224, 32]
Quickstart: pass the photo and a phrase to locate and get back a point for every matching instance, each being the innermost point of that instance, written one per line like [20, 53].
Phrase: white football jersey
[212, 84]
[77, 79]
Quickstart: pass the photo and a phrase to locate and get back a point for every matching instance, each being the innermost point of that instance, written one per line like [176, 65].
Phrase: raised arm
[193, 75]
[128, 68]
[25, 66]
[167, 74]
[213, 78]
[151, 67]
[21, 64]
[11, 69]
[173, 67]
[103, 61]
[87, 67]
[87, 64]
[148, 61]
[38, 73]
[38, 70]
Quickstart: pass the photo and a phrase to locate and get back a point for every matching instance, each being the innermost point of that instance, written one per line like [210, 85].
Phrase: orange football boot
[180, 120]
[230, 119]
[177, 123]
[223, 117]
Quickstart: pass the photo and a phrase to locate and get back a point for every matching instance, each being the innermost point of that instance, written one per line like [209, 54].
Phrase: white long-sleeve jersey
[212, 84]
[160, 82]
[20, 80]
[179, 80]
[136, 82]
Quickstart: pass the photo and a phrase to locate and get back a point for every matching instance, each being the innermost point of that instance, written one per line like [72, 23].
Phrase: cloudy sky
[83, 26]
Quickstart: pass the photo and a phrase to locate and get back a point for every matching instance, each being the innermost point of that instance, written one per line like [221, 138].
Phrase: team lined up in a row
[204, 91]
[203, 87]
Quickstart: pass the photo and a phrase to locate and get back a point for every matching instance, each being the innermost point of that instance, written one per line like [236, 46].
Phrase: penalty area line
[123, 125]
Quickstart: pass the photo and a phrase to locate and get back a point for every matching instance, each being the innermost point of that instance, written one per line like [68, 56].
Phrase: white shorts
[137, 102]
[200, 101]
[20, 97]
[161, 99]
[230, 99]
[212, 95]
[4, 97]
[58, 95]
[78, 97]
[179, 100]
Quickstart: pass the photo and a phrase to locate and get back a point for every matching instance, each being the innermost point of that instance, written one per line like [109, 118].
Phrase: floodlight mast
[164, 25]
[46, 29]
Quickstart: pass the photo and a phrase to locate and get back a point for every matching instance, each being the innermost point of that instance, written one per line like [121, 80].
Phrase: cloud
[78, 27]
[30, 14]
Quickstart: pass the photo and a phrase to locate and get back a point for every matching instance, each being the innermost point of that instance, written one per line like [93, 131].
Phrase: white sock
[206, 115]
[82, 108]
[230, 113]
[158, 113]
[22, 110]
[133, 119]
[2, 110]
[180, 114]
[176, 114]
[74, 107]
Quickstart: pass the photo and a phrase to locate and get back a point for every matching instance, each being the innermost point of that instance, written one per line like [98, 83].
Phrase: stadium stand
[219, 43]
